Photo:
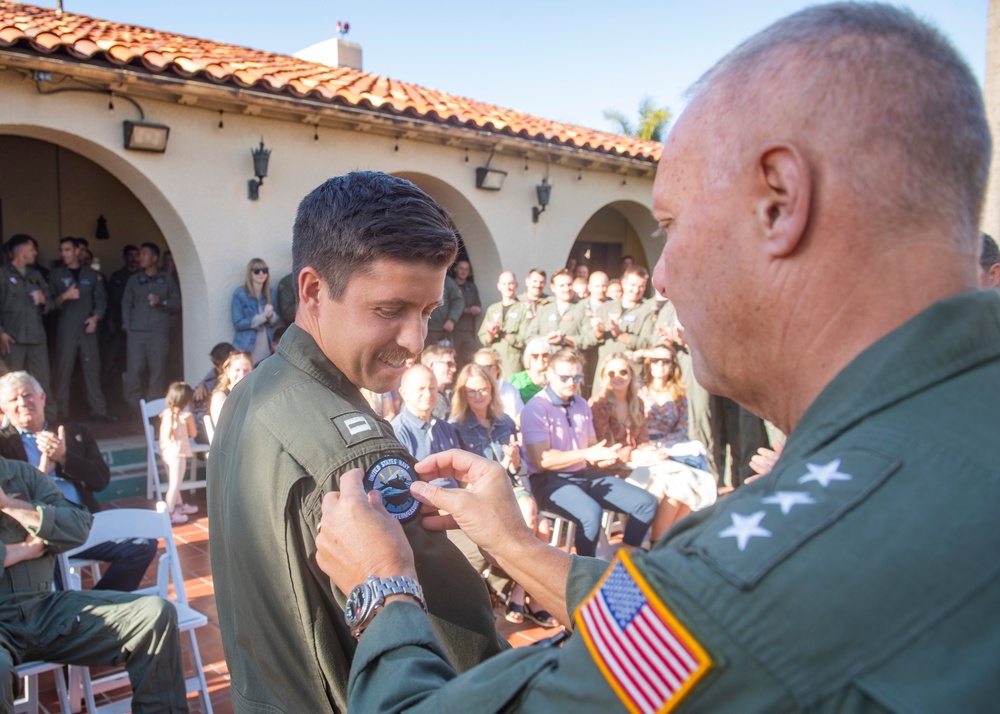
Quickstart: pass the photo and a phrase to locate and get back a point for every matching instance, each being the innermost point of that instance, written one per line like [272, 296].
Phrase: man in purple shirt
[563, 455]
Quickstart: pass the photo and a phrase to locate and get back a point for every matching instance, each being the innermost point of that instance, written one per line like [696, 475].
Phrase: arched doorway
[56, 184]
[619, 229]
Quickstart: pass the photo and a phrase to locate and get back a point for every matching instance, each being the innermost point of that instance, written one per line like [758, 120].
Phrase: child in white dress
[177, 428]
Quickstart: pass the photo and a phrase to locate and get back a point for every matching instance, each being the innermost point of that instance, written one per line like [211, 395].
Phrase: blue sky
[563, 61]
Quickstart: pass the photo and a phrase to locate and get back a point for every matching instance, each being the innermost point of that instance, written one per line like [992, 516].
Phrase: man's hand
[473, 310]
[357, 536]
[555, 338]
[153, 299]
[90, 325]
[72, 293]
[30, 548]
[53, 445]
[448, 325]
[486, 510]
[602, 456]
[5, 342]
[200, 392]
[763, 461]
[21, 511]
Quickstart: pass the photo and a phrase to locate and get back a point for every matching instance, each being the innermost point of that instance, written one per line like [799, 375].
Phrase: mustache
[396, 356]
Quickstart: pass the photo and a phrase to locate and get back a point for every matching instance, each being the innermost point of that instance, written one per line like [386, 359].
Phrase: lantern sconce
[261, 156]
[544, 191]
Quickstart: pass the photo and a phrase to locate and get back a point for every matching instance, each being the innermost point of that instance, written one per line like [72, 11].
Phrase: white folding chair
[28, 702]
[563, 531]
[209, 427]
[149, 411]
[145, 523]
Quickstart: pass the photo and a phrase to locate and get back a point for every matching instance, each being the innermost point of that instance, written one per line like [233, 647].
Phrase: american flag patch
[645, 654]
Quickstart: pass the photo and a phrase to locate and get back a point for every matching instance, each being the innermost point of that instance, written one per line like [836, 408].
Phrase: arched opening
[57, 184]
[617, 230]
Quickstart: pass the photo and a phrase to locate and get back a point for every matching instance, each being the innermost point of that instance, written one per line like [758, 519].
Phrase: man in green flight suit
[74, 627]
[820, 196]
[503, 323]
[370, 253]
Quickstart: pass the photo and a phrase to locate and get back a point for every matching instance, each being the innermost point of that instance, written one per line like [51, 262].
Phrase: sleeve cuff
[584, 573]
[398, 624]
[48, 519]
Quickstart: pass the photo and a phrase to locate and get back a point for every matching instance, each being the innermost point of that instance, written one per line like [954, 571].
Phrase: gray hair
[13, 381]
[891, 86]
[535, 345]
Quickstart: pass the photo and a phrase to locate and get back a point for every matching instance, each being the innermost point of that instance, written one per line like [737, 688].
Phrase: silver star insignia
[744, 528]
[788, 499]
[823, 475]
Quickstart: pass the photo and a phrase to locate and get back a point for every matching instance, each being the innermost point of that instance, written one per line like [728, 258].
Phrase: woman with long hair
[663, 396]
[253, 313]
[237, 366]
[484, 429]
[621, 417]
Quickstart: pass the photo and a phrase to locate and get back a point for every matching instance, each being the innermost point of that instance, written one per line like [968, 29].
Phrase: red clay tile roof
[80, 37]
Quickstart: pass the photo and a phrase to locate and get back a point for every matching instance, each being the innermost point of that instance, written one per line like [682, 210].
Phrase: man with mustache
[369, 253]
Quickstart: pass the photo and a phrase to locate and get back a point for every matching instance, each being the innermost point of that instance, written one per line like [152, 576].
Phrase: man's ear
[784, 205]
[310, 285]
[994, 274]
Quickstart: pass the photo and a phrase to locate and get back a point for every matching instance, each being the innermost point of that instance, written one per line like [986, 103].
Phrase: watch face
[357, 605]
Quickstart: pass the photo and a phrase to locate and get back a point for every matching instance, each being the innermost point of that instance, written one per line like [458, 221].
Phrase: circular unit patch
[392, 478]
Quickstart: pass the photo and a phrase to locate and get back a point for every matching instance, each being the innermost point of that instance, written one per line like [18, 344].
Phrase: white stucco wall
[991, 213]
[196, 193]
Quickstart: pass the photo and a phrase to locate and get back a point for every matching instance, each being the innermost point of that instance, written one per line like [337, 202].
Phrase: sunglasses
[660, 360]
[618, 373]
[567, 377]
[477, 392]
[259, 271]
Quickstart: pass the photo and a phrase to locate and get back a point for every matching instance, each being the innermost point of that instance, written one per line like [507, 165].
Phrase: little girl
[176, 428]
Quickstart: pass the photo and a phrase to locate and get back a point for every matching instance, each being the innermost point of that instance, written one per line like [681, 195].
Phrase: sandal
[542, 618]
[515, 613]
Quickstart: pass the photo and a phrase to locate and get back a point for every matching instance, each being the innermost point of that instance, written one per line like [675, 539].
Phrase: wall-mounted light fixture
[490, 179]
[146, 136]
[101, 232]
[544, 191]
[261, 156]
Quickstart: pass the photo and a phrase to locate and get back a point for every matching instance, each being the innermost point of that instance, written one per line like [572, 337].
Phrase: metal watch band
[397, 585]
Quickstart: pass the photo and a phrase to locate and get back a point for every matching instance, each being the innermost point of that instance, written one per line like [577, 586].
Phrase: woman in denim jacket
[254, 316]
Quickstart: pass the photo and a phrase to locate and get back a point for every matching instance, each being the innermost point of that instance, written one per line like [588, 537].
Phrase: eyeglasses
[618, 373]
[577, 378]
[659, 360]
[485, 392]
[259, 271]
[539, 356]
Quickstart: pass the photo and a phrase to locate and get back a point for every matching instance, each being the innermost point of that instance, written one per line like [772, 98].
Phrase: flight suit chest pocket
[749, 536]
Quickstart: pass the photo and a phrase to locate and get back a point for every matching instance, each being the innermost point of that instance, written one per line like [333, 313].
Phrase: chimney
[335, 52]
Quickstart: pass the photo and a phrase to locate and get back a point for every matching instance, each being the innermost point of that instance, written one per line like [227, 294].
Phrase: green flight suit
[631, 321]
[287, 433]
[509, 342]
[93, 627]
[21, 318]
[450, 308]
[859, 575]
[72, 338]
[465, 329]
[549, 319]
[148, 329]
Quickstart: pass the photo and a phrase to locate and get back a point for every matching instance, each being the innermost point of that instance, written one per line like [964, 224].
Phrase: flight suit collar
[950, 337]
[300, 349]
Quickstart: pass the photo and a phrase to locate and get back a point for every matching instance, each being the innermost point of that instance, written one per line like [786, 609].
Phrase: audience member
[75, 626]
[113, 355]
[534, 295]
[253, 313]
[441, 361]
[558, 321]
[151, 297]
[237, 366]
[288, 299]
[580, 291]
[177, 428]
[82, 300]
[70, 456]
[201, 398]
[416, 427]
[614, 289]
[24, 298]
[441, 326]
[489, 359]
[562, 452]
[465, 329]
[536, 361]
[582, 272]
[504, 324]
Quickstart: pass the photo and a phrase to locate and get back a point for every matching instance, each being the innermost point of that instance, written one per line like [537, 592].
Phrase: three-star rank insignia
[392, 477]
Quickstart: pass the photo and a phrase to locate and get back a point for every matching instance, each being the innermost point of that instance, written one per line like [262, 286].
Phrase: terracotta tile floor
[192, 545]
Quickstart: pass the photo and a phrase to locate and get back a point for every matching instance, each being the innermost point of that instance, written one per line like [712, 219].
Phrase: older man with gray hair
[820, 200]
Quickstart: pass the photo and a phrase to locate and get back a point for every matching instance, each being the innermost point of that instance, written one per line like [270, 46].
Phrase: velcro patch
[392, 478]
[646, 655]
[356, 427]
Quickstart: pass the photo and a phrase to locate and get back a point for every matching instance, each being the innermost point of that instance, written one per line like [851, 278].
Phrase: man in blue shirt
[416, 427]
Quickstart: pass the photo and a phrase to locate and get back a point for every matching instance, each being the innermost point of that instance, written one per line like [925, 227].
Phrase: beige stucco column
[991, 214]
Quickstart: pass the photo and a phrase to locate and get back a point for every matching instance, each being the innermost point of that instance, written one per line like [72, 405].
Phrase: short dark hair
[350, 222]
[560, 273]
[539, 271]
[70, 239]
[636, 270]
[16, 241]
[990, 254]
[568, 355]
[153, 247]
[220, 352]
[129, 247]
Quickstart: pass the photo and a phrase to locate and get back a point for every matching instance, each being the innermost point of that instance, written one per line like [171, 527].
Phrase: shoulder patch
[646, 655]
[392, 478]
[749, 536]
[356, 427]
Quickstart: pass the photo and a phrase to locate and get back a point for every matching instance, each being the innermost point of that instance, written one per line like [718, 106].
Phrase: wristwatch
[368, 598]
